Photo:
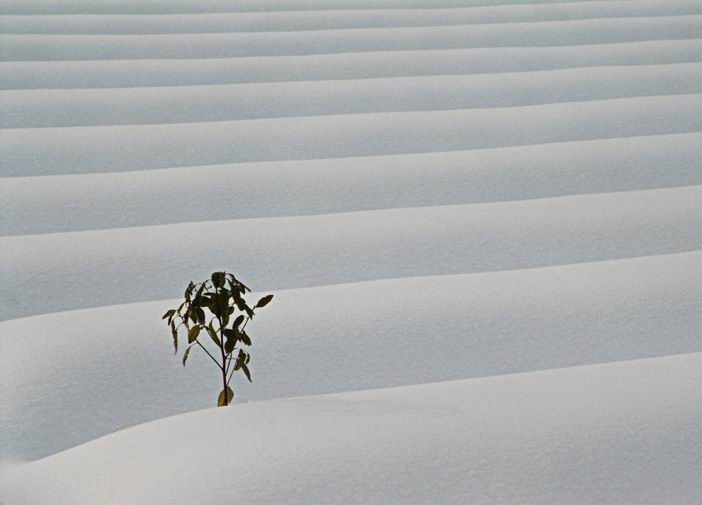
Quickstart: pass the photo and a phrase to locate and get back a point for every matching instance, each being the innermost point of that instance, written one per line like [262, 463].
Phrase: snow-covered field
[482, 220]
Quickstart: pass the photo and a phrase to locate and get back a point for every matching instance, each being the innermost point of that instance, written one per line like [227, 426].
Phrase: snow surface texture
[482, 220]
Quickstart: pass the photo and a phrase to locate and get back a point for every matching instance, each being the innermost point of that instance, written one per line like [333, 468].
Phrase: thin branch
[208, 353]
[231, 374]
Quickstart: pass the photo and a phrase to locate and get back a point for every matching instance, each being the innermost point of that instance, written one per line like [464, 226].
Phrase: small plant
[210, 308]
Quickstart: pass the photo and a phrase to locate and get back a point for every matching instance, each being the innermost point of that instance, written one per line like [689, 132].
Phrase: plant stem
[224, 356]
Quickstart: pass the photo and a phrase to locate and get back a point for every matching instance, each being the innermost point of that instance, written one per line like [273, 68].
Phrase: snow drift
[604, 434]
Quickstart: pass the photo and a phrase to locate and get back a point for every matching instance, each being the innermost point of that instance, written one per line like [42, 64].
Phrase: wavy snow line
[557, 33]
[288, 252]
[52, 151]
[33, 205]
[131, 106]
[140, 73]
[324, 20]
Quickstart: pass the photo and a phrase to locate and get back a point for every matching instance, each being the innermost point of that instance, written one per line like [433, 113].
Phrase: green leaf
[238, 321]
[214, 337]
[246, 372]
[186, 354]
[264, 301]
[200, 315]
[244, 338]
[230, 343]
[218, 279]
[240, 360]
[244, 308]
[168, 314]
[193, 333]
[174, 332]
[226, 396]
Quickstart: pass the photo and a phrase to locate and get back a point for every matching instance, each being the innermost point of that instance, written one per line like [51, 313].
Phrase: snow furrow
[15, 47]
[33, 205]
[278, 253]
[392, 332]
[125, 106]
[173, 72]
[53, 151]
[123, 24]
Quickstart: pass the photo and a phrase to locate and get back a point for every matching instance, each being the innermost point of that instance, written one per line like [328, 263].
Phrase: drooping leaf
[193, 333]
[240, 360]
[230, 343]
[200, 315]
[213, 335]
[264, 301]
[241, 304]
[246, 372]
[174, 332]
[186, 354]
[226, 396]
[244, 338]
[168, 314]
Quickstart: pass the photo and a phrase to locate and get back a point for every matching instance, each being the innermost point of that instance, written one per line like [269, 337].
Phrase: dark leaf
[238, 321]
[226, 396]
[174, 332]
[189, 290]
[218, 279]
[193, 333]
[246, 371]
[264, 301]
[230, 343]
[215, 339]
[186, 354]
[244, 338]
[168, 314]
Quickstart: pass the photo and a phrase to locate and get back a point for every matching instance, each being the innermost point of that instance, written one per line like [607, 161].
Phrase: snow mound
[626, 432]
[389, 333]
[289, 188]
[289, 252]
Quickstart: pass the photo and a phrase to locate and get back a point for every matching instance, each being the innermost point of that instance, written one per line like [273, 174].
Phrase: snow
[86, 149]
[50, 108]
[293, 188]
[337, 19]
[390, 332]
[43, 47]
[481, 220]
[588, 435]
